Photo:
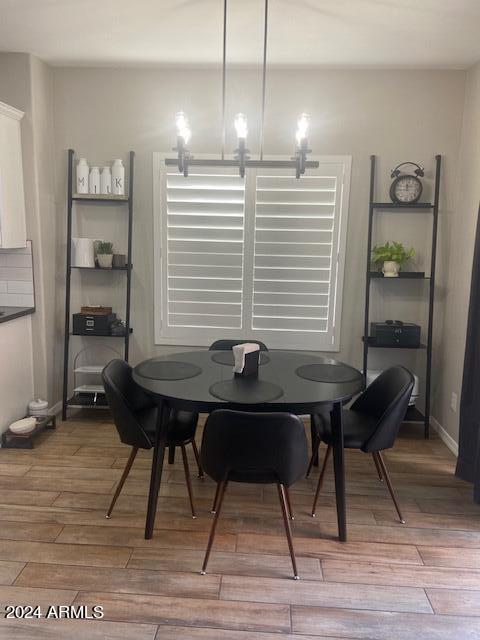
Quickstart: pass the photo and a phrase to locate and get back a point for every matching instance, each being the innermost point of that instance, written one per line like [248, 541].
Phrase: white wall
[397, 115]
[462, 231]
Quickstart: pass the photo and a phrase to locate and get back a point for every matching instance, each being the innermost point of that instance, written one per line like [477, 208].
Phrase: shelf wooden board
[403, 275]
[372, 344]
[393, 205]
[125, 268]
[94, 335]
[88, 197]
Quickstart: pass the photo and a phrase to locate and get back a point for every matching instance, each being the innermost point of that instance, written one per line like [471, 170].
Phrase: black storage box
[390, 334]
[95, 325]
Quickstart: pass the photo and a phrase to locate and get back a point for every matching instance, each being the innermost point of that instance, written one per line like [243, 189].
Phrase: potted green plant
[392, 255]
[105, 255]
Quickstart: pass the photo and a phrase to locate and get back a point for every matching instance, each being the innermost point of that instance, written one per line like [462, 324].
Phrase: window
[257, 258]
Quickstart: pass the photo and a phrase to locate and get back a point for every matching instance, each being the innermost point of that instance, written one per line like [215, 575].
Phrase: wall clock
[406, 188]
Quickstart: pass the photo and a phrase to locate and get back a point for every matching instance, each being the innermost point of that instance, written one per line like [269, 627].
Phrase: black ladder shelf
[413, 414]
[86, 199]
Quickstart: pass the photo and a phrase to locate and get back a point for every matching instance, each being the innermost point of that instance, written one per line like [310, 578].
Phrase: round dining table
[288, 381]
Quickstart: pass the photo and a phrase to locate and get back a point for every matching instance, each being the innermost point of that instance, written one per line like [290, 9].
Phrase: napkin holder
[250, 367]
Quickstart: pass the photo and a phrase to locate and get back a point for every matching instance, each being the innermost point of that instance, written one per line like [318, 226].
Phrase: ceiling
[344, 33]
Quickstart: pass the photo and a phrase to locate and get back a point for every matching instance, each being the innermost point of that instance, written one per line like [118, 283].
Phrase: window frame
[201, 337]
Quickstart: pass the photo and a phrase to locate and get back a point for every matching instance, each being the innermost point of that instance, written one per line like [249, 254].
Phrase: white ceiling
[388, 33]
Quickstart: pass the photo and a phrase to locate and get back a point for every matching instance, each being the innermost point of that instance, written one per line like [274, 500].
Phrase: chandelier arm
[264, 77]
[224, 74]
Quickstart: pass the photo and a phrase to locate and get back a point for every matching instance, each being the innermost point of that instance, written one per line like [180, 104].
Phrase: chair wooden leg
[126, 471]
[221, 488]
[197, 459]
[288, 530]
[171, 454]
[320, 479]
[188, 480]
[378, 468]
[289, 504]
[389, 484]
[215, 499]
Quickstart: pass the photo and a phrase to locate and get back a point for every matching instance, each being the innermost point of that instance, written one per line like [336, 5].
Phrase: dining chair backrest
[386, 400]
[226, 344]
[254, 447]
[130, 406]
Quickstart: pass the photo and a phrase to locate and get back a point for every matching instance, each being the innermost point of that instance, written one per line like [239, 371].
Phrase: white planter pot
[390, 269]
[105, 260]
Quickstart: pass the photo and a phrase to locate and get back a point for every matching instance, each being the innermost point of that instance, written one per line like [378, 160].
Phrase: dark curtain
[468, 465]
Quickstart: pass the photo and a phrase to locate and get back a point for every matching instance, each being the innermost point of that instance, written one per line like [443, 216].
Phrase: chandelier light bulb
[303, 123]
[241, 128]
[183, 128]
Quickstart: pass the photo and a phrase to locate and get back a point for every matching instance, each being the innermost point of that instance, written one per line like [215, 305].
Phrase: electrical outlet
[453, 401]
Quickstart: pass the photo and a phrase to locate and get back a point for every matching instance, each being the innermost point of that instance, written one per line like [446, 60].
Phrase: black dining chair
[225, 344]
[135, 417]
[371, 424]
[237, 447]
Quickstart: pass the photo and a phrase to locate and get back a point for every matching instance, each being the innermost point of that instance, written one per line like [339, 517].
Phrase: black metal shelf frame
[88, 199]
[413, 415]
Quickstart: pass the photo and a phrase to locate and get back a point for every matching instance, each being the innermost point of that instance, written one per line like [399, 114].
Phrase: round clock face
[406, 189]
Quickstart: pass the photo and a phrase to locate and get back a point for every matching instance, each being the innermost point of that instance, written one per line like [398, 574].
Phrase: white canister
[82, 252]
[118, 178]
[82, 176]
[38, 407]
[106, 181]
[94, 181]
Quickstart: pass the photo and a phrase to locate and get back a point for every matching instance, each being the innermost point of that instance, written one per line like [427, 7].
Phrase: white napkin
[239, 351]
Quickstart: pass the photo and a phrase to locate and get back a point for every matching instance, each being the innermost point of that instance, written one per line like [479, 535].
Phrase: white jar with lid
[82, 176]
[118, 178]
[94, 181]
[38, 407]
[106, 181]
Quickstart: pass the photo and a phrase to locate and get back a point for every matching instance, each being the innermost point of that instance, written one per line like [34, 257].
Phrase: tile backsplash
[16, 277]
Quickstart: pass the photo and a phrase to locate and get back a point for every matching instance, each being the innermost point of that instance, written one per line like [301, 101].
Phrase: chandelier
[241, 157]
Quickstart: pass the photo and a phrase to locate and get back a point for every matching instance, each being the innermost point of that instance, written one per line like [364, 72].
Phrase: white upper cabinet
[12, 195]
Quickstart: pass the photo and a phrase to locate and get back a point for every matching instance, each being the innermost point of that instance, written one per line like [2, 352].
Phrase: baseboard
[56, 408]
[444, 436]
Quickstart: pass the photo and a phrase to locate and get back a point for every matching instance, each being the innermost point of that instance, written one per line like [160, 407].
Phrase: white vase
[390, 269]
[82, 176]
[82, 252]
[106, 181]
[105, 260]
[118, 178]
[94, 181]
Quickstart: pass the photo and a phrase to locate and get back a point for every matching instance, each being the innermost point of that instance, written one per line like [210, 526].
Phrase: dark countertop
[10, 313]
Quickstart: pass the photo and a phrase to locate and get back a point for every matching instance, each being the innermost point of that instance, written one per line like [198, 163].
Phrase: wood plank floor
[388, 582]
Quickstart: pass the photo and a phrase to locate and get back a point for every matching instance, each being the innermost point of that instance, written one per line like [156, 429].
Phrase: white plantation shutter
[256, 258]
[203, 245]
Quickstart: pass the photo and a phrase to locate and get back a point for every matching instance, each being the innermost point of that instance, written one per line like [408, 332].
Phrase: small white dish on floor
[23, 426]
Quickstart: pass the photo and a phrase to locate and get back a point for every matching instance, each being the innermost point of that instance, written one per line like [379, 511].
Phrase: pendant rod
[224, 75]
[264, 79]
